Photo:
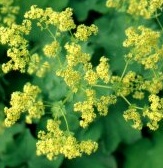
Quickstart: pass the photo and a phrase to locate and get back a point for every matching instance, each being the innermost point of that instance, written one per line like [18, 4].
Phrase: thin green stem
[73, 38]
[124, 71]
[158, 21]
[65, 121]
[127, 101]
[63, 117]
[102, 86]
[33, 50]
[60, 63]
[124, 98]
[50, 32]
[64, 101]
[54, 37]
[154, 73]
[140, 108]
[67, 97]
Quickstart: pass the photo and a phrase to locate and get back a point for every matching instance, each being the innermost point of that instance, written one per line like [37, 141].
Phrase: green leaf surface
[21, 150]
[110, 38]
[83, 7]
[7, 136]
[96, 160]
[93, 132]
[146, 153]
[117, 130]
[43, 162]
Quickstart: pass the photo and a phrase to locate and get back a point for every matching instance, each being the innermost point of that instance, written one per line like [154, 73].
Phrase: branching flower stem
[124, 71]
[102, 86]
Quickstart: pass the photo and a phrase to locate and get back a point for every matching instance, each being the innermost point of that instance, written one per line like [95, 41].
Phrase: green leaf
[96, 160]
[87, 5]
[7, 136]
[43, 162]
[58, 5]
[73, 121]
[78, 7]
[93, 132]
[110, 38]
[117, 130]
[146, 153]
[21, 150]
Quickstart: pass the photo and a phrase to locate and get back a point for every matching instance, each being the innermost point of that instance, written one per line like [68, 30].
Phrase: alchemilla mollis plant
[87, 90]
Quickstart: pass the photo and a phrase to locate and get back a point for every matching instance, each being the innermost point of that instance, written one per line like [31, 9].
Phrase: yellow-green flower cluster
[154, 86]
[87, 107]
[74, 58]
[144, 8]
[102, 72]
[83, 32]
[50, 50]
[37, 66]
[103, 102]
[63, 21]
[129, 84]
[22, 102]
[75, 55]
[155, 111]
[90, 75]
[55, 142]
[14, 37]
[133, 115]
[8, 12]
[71, 77]
[144, 46]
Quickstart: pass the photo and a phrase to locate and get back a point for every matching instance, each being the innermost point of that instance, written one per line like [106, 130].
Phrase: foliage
[81, 83]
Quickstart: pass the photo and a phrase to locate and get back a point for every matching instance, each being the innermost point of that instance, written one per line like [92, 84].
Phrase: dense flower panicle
[84, 32]
[55, 142]
[91, 77]
[103, 103]
[24, 102]
[90, 94]
[103, 70]
[138, 95]
[75, 55]
[14, 37]
[130, 83]
[154, 117]
[127, 82]
[65, 21]
[35, 112]
[144, 46]
[44, 68]
[38, 66]
[123, 86]
[155, 111]
[154, 86]
[114, 3]
[133, 115]
[34, 13]
[87, 107]
[142, 8]
[62, 20]
[8, 12]
[71, 77]
[87, 112]
[50, 50]
[88, 147]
